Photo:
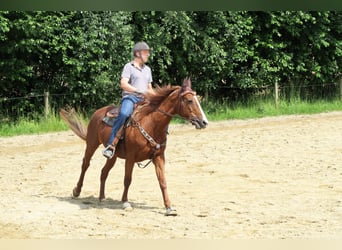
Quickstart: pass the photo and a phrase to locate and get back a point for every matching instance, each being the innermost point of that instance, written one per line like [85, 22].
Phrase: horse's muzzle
[198, 123]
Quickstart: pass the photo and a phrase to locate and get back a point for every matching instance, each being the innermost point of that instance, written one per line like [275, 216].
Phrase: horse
[144, 137]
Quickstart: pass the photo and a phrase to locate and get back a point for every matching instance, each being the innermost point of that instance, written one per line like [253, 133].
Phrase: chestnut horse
[144, 138]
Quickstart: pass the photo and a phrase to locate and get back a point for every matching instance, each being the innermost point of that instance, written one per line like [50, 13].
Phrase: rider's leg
[126, 110]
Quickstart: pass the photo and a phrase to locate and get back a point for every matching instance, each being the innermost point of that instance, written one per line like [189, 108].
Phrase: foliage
[81, 53]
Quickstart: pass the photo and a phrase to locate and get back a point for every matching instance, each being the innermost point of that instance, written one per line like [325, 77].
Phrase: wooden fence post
[46, 103]
[341, 89]
[276, 94]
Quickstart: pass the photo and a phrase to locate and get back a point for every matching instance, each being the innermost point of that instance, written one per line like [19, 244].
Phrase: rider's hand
[138, 92]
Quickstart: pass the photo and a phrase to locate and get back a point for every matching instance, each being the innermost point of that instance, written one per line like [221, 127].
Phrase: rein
[165, 113]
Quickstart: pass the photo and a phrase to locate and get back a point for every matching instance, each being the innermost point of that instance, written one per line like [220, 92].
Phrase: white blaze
[203, 115]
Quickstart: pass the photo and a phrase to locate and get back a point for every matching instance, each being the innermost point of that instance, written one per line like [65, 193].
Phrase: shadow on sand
[93, 202]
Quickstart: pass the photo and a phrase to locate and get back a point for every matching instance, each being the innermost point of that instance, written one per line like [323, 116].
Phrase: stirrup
[109, 152]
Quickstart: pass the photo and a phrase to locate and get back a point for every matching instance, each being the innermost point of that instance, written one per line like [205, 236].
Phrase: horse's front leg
[159, 162]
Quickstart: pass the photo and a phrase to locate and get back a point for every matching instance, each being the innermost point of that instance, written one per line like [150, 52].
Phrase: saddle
[110, 116]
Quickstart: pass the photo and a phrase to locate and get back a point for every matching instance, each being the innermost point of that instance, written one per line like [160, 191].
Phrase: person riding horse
[136, 78]
[145, 137]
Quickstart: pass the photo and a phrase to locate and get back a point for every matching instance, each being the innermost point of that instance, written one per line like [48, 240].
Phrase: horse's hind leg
[90, 150]
[104, 173]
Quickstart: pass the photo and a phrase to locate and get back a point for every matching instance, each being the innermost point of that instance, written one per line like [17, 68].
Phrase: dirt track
[266, 178]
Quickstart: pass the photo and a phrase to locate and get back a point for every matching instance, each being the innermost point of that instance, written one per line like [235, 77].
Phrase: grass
[214, 110]
[28, 126]
[267, 108]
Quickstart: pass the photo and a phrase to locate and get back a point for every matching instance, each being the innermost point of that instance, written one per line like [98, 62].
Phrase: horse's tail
[75, 122]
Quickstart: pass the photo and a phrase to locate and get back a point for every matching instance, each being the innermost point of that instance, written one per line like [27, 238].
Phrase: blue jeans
[127, 106]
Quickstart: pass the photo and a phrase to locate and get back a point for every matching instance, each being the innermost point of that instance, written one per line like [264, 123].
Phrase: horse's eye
[188, 101]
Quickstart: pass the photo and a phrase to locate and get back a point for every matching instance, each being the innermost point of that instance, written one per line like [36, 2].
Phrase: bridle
[180, 100]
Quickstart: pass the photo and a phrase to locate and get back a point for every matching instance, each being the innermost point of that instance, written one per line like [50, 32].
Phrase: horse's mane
[153, 100]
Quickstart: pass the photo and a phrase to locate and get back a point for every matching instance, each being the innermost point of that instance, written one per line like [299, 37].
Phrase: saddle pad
[109, 120]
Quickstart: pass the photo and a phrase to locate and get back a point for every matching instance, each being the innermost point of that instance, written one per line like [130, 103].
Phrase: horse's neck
[170, 105]
[158, 121]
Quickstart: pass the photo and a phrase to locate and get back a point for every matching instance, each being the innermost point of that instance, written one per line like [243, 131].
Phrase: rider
[136, 78]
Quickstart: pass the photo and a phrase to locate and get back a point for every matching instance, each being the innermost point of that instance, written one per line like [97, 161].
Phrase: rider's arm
[150, 88]
[126, 86]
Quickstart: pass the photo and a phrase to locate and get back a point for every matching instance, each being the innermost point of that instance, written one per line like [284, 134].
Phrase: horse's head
[189, 106]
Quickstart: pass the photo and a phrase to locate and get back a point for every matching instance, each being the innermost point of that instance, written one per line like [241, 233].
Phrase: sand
[269, 178]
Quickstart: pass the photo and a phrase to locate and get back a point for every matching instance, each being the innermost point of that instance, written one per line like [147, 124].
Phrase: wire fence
[36, 105]
[32, 105]
[276, 92]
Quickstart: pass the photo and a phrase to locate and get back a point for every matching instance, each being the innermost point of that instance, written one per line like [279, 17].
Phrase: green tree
[80, 53]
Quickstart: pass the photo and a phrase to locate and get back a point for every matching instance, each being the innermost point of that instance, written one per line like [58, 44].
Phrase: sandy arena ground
[273, 178]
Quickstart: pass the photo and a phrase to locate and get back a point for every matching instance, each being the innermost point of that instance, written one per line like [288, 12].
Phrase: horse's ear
[187, 83]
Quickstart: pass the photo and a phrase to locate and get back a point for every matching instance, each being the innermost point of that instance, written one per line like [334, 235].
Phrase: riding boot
[109, 151]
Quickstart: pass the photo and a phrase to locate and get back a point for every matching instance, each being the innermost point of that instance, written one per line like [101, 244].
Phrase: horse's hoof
[127, 206]
[100, 202]
[170, 212]
[75, 194]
